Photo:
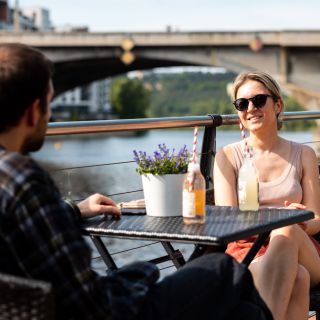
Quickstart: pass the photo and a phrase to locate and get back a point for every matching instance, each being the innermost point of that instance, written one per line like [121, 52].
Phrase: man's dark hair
[24, 77]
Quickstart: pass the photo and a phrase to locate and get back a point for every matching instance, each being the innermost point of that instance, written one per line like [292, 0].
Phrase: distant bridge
[292, 57]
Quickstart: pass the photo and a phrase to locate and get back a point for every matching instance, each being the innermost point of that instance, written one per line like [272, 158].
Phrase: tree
[290, 104]
[129, 98]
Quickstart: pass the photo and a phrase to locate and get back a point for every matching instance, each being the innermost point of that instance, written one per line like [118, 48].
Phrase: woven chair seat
[22, 299]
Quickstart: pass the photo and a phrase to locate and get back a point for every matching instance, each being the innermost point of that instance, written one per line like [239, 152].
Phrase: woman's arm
[225, 190]
[311, 187]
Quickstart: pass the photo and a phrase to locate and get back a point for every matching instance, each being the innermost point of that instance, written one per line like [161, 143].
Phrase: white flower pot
[163, 194]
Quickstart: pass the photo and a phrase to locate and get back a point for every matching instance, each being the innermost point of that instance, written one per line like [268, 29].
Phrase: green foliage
[183, 94]
[291, 104]
[188, 93]
[129, 98]
[115, 90]
[74, 116]
[163, 161]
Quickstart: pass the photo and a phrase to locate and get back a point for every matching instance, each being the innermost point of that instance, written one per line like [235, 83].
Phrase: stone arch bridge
[292, 57]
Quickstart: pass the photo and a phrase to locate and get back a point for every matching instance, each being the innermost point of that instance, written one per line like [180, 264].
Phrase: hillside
[192, 93]
[188, 93]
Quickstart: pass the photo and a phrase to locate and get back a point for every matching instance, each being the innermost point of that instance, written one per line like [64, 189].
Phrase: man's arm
[43, 235]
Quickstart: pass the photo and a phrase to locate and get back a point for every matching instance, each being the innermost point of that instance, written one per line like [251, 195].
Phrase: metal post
[208, 150]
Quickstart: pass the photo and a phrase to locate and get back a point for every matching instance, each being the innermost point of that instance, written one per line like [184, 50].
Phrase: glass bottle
[194, 195]
[248, 186]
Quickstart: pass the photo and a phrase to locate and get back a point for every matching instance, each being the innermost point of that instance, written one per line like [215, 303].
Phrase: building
[40, 18]
[88, 102]
[4, 14]
[17, 19]
[70, 28]
[83, 103]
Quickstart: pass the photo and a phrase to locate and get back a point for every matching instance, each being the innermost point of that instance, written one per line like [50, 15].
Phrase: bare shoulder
[224, 158]
[224, 153]
[308, 152]
[308, 158]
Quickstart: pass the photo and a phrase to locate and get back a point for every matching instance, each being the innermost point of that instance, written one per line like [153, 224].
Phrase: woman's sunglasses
[258, 101]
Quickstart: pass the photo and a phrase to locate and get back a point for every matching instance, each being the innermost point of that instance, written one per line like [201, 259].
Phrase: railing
[209, 122]
[82, 127]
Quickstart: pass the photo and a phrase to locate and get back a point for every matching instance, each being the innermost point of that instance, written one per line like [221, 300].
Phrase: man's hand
[98, 204]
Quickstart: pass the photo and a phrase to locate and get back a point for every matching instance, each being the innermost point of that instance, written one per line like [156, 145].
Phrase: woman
[288, 176]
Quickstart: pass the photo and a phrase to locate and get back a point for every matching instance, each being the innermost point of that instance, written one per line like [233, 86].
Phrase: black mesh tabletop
[223, 225]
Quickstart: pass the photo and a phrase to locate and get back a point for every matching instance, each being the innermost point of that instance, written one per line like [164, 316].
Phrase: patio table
[223, 225]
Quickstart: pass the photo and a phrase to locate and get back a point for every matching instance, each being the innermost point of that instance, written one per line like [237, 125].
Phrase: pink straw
[190, 176]
[247, 150]
[194, 147]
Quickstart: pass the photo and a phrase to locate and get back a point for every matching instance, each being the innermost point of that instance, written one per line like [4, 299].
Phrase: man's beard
[35, 141]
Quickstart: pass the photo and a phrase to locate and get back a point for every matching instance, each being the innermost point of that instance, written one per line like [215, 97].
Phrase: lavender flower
[163, 161]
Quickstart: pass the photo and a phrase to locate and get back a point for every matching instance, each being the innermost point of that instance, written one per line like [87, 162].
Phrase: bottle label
[189, 204]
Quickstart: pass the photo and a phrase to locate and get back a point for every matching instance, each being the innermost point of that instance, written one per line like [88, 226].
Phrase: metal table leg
[175, 255]
[255, 247]
[105, 255]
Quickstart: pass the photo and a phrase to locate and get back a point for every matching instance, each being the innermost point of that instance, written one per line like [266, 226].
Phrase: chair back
[22, 299]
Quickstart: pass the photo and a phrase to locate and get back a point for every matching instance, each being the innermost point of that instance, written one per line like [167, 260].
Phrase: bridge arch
[292, 57]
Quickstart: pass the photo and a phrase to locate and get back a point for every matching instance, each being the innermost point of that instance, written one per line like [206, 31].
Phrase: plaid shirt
[40, 238]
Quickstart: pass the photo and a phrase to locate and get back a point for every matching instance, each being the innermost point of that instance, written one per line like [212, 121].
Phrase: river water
[80, 150]
[95, 152]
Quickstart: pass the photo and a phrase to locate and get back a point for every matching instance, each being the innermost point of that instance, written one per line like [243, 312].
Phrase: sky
[181, 15]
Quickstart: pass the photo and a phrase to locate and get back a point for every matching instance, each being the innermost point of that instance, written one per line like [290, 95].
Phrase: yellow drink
[248, 187]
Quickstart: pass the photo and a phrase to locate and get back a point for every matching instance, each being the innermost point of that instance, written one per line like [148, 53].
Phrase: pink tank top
[286, 187]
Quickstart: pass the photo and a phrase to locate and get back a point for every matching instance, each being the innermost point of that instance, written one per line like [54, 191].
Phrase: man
[40, 235]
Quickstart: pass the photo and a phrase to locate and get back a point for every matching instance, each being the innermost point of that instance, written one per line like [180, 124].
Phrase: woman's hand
[294, 205]
[98, 204]
[312, 226]
[300, 206]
